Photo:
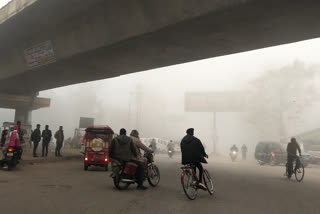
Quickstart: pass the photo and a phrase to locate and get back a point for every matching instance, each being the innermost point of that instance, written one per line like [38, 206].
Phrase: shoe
[202, 186]
[194, 184]
[141, 187]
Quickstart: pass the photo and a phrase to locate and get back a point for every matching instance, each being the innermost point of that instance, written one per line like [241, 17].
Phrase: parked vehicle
[96, 141]
[10, 157]
[274, 153]
[124, 173]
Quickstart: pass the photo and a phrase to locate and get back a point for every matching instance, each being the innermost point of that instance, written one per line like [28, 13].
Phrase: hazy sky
[3, 2]
[217, 74]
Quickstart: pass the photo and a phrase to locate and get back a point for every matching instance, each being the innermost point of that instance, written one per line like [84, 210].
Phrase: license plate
[96, 156]
[10, 154]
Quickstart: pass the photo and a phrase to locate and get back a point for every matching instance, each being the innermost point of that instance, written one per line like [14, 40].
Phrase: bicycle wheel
[189, 185]
[208, 182]
[299, 172]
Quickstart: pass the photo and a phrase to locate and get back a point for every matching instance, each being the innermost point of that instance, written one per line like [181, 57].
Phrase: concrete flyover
[51, 43]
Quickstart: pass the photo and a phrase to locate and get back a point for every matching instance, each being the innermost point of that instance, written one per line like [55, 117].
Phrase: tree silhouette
[279, 97]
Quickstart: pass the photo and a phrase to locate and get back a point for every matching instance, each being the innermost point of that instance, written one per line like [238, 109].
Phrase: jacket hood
[123, 139]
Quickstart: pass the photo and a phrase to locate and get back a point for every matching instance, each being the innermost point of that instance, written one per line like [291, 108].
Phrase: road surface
[241, 187]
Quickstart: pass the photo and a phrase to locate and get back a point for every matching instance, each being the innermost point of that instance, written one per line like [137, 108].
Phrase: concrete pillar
[24, 115]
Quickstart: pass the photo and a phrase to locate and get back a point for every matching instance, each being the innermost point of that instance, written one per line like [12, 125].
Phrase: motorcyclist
[170, 146]
[234, 148]
[14, 141]
[123, 149]
[292, 149]
[193, 153]
[244, 150]
[134, 135]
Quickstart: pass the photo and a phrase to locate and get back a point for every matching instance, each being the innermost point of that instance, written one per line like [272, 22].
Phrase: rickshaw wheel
[86, 167]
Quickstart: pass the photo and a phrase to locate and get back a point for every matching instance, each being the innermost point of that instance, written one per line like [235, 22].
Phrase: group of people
[16, 139]
[46, 136]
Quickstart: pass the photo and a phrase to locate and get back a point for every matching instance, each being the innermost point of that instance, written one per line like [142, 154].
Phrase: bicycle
[298, 169]
[189, 181]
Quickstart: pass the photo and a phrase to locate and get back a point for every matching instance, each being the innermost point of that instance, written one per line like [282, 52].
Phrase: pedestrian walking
[36, 138]
[46, 138]
[59, 136]
[244, 151]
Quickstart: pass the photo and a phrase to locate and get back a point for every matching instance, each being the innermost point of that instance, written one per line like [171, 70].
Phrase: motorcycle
[124, 173]
[233, 155]
[10, 158]
[170, 153]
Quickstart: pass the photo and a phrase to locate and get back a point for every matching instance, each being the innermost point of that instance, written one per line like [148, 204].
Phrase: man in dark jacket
[193, 153]
[123, 150]
[60, 138]
[36, 138]
[292, 149]
[46, 138]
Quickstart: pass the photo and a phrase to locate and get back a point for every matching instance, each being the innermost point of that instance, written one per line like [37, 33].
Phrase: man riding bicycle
[193, 153]
[292, 148]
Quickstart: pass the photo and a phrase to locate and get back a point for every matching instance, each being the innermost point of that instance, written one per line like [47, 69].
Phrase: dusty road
[241, 187]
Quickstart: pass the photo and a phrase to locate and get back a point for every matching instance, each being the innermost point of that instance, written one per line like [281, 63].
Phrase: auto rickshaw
[96, 141]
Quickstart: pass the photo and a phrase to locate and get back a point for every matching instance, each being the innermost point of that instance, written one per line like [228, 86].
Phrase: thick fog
[280, 87]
